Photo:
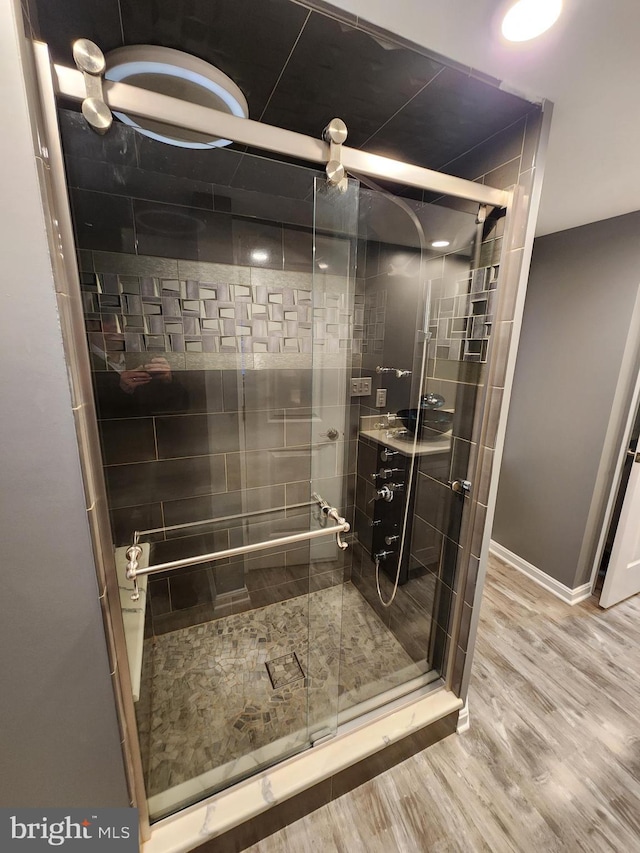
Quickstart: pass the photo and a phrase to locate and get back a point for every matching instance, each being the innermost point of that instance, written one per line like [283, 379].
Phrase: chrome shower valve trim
[400, 374]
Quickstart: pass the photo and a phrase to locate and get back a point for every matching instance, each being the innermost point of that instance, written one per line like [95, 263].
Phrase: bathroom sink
[430, 422]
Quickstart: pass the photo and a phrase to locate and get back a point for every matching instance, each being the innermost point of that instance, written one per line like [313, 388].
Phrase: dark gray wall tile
[270, 389]
[257, 243]
[190, 588]
[190, 545]
[159, 600]
[178, 619]
[439, 506]
[465, 624]
[171, 231]
[251, 59]
[262, 430]
[489, 154]
[426, 544]
[197, 435]
[103, 222]
[216, 506]
[127, 440]
[298, 249]
[470, 583]
[125, 521]
[146, 482]
[80, 141]
[61, 23]
[281, 592]
[125, 180]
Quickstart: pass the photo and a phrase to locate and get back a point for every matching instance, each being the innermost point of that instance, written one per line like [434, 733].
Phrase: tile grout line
[399, 110]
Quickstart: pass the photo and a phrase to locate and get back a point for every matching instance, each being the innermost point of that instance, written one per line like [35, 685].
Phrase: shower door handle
[460, 487]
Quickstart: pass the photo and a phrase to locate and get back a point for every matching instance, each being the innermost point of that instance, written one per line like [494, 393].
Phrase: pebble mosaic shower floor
[207, 698]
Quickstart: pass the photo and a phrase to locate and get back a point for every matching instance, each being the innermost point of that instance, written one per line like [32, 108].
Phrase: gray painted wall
[59, 738]
[581, 293]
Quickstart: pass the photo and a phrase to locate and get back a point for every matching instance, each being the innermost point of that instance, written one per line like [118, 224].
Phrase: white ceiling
[588, 65]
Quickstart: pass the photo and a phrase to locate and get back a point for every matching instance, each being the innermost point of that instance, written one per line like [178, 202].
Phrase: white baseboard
[564, 593]
[464, 723]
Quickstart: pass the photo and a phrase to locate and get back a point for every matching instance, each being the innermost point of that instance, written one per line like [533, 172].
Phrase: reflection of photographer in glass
[149, 388]
[158, 368]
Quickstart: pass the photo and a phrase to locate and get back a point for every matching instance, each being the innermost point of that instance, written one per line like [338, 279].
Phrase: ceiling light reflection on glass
[528, 19]
[440, 244]
[259, 256]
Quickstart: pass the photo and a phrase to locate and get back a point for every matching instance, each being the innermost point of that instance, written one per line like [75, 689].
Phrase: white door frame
[616, 442]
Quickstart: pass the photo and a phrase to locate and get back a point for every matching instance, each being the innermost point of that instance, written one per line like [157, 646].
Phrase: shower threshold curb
[226, 810]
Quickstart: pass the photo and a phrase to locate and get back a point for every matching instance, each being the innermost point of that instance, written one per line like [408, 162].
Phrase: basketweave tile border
[226, 310]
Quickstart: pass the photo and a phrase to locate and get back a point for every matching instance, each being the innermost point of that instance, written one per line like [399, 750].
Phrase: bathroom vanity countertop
[423, 448]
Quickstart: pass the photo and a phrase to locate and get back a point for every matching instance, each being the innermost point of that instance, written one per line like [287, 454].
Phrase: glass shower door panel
[332, 448]
[198, 297]
[425, 328]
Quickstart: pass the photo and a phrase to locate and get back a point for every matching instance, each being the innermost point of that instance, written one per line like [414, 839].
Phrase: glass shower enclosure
[288, 380]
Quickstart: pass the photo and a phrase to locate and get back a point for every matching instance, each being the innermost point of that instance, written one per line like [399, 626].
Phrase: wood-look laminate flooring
[551, 761]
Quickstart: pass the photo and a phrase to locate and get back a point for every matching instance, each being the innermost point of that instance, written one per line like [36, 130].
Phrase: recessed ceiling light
[260, 255]
[527, 19]
[179, 75]
[440, 244]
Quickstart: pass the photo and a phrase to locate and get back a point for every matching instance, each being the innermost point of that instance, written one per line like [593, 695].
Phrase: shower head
[179, 75]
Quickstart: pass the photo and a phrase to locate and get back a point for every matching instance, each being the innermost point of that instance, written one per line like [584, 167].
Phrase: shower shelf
[134, 552]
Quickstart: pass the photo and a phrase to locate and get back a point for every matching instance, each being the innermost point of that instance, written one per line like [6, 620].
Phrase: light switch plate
[360, 386]
[381, 398]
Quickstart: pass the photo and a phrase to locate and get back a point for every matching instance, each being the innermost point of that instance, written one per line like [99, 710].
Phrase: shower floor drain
[284, 670]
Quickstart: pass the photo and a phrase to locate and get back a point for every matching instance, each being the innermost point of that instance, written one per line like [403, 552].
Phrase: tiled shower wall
[230, 432]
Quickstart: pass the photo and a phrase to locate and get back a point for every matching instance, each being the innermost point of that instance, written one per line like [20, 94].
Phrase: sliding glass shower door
[287, 380]
[219, 325]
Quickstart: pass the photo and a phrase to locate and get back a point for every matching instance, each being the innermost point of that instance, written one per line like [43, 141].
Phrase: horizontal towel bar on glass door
[239, 516]
[341, 525]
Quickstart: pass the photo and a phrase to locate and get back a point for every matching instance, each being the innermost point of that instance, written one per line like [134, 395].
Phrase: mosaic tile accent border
[463, 320]
[170, 315]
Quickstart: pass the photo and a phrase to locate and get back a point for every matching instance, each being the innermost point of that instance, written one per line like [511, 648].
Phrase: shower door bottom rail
[341, 525]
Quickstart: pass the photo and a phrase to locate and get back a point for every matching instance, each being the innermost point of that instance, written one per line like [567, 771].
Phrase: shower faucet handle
[383, 494]
[382, 555]
[399, 373]
[388, 419]
[385, 473]
[396, 431]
